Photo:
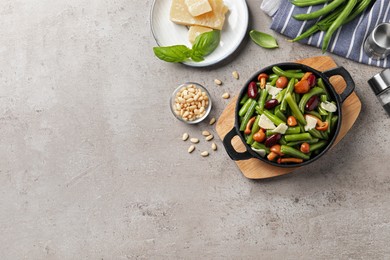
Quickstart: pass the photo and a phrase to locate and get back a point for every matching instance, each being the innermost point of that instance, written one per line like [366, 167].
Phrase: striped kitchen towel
[347, 41]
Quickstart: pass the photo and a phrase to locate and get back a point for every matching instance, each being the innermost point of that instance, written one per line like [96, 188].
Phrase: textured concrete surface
[92, 165]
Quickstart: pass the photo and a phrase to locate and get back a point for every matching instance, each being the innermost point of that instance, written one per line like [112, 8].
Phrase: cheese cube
[198, 7]
[195, 31]
[214, 19]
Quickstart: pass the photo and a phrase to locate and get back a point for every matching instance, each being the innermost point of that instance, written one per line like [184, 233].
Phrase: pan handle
[346, 76]
[236, 156]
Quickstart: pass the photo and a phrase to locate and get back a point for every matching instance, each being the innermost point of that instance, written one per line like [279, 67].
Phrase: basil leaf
[175, 53]
[196, 56]
[207, 42]
[204, 44]
[263, 40]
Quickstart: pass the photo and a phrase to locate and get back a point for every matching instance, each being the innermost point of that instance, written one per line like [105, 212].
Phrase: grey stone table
[92, 165]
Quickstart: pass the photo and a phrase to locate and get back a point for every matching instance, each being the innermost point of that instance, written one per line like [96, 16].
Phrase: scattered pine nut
[191, 149]
[185, 137]
[205, 133]
[217, 81]
[194, 140]
[212, 121]
[205, 153]
[226, 95]
[214, 146]
[210, 137]
[235, 75]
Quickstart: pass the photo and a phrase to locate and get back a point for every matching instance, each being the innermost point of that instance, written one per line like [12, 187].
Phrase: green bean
[279, 113]
[257, 145]
[333, 122]
[322, 111]
[317, 134]
[312, 30]
[324, 23]
[319, 145]
[316, 152]
[329, 121]
[273, 82]
[283, 140]
[295, 109]
[301, 127]
[293, 130]
[337, 23]
[280, 96]
[272, 77]
[321, 84]
[314, 113]
[293, 152]
[289, 89]
[245, 107]
[258, 111]
[294, 71]
[325, 135]
[323, 11]
[363, 4]
[323, 98]
[244, 99]
[309, 141]
[301, 3]
[298, 137]
[276, 120]
[289, 131]
[269, 132]
[255, 129]
[281, 72]
[248, 114]
[262, 98]
[297, 98]
[314, 91]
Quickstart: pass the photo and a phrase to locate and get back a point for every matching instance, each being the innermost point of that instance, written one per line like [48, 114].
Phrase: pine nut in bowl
[191, 103]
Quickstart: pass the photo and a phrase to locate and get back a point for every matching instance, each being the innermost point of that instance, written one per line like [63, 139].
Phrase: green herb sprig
[204, 44]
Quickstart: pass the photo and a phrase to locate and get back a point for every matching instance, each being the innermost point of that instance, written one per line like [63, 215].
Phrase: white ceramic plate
[167, 33]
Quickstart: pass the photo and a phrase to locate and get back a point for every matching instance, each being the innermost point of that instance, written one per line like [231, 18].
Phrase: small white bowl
[172, 103]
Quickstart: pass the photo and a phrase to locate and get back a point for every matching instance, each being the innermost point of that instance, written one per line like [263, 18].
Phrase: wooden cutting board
[256, 169]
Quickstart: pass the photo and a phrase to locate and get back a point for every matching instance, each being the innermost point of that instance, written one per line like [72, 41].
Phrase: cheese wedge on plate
[198, 7]
[215, 19]
[195, 31]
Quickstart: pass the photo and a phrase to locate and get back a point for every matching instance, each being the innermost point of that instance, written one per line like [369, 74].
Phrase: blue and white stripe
[347, 41]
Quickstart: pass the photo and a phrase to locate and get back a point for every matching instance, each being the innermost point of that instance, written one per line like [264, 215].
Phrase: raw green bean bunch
[275, 123]
[332, 16]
